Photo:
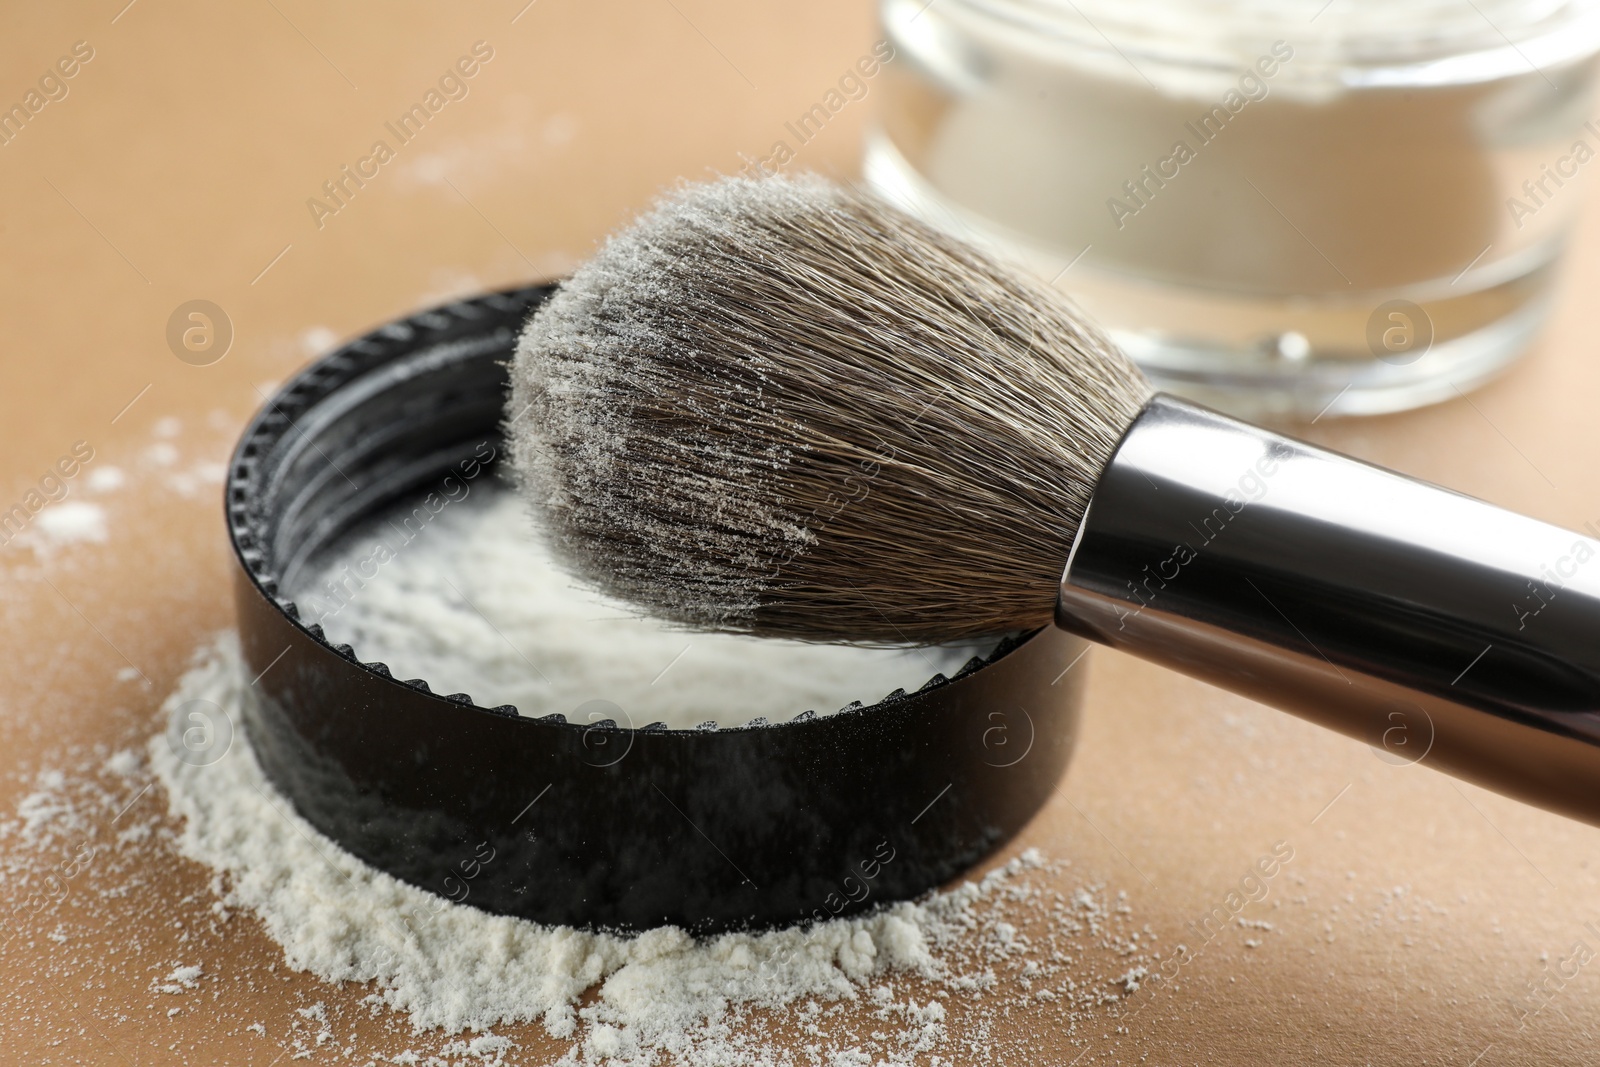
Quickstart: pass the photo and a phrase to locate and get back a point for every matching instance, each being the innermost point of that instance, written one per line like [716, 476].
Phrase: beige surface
[1406, 929]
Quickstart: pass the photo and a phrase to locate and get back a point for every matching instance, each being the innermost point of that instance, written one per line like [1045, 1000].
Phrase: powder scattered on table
[993, 945]
[106, 479]
[69, 522]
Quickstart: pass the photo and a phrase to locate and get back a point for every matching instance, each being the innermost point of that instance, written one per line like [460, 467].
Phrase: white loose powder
[91, 846]
[1236, 174]
[1214, 37]
[984, 949]
[106, 479]
[337, 917]
[470, 602]
[70, 522]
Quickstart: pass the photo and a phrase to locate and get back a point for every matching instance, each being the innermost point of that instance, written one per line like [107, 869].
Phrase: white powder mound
[337, 917]
[470, 602]
[183, 978]
[70, 522]
[661, 991]
[106, 479]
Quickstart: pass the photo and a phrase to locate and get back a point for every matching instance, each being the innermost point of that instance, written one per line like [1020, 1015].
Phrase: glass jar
[1277, 208]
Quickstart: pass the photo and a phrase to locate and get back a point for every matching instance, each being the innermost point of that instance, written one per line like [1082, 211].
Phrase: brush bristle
[783, 408]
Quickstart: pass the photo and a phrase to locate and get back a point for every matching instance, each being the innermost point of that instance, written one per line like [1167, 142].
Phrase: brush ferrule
[1436, 627]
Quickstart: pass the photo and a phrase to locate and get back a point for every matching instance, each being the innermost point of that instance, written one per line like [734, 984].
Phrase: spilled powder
[978, 951]
[71, 521]
[106, 479]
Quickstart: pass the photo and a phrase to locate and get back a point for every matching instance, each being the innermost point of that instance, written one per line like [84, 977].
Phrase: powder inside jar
[1233, 174]
[469, 601]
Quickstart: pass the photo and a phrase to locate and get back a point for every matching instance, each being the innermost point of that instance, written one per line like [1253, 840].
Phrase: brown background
[1415, 912]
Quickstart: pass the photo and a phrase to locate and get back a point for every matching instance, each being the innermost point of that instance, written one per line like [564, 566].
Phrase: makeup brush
[784, 408]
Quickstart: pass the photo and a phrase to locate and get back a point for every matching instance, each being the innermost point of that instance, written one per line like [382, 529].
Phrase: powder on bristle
[784, 408]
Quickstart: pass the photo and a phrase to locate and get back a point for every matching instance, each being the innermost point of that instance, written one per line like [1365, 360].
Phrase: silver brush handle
[1436, 627]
